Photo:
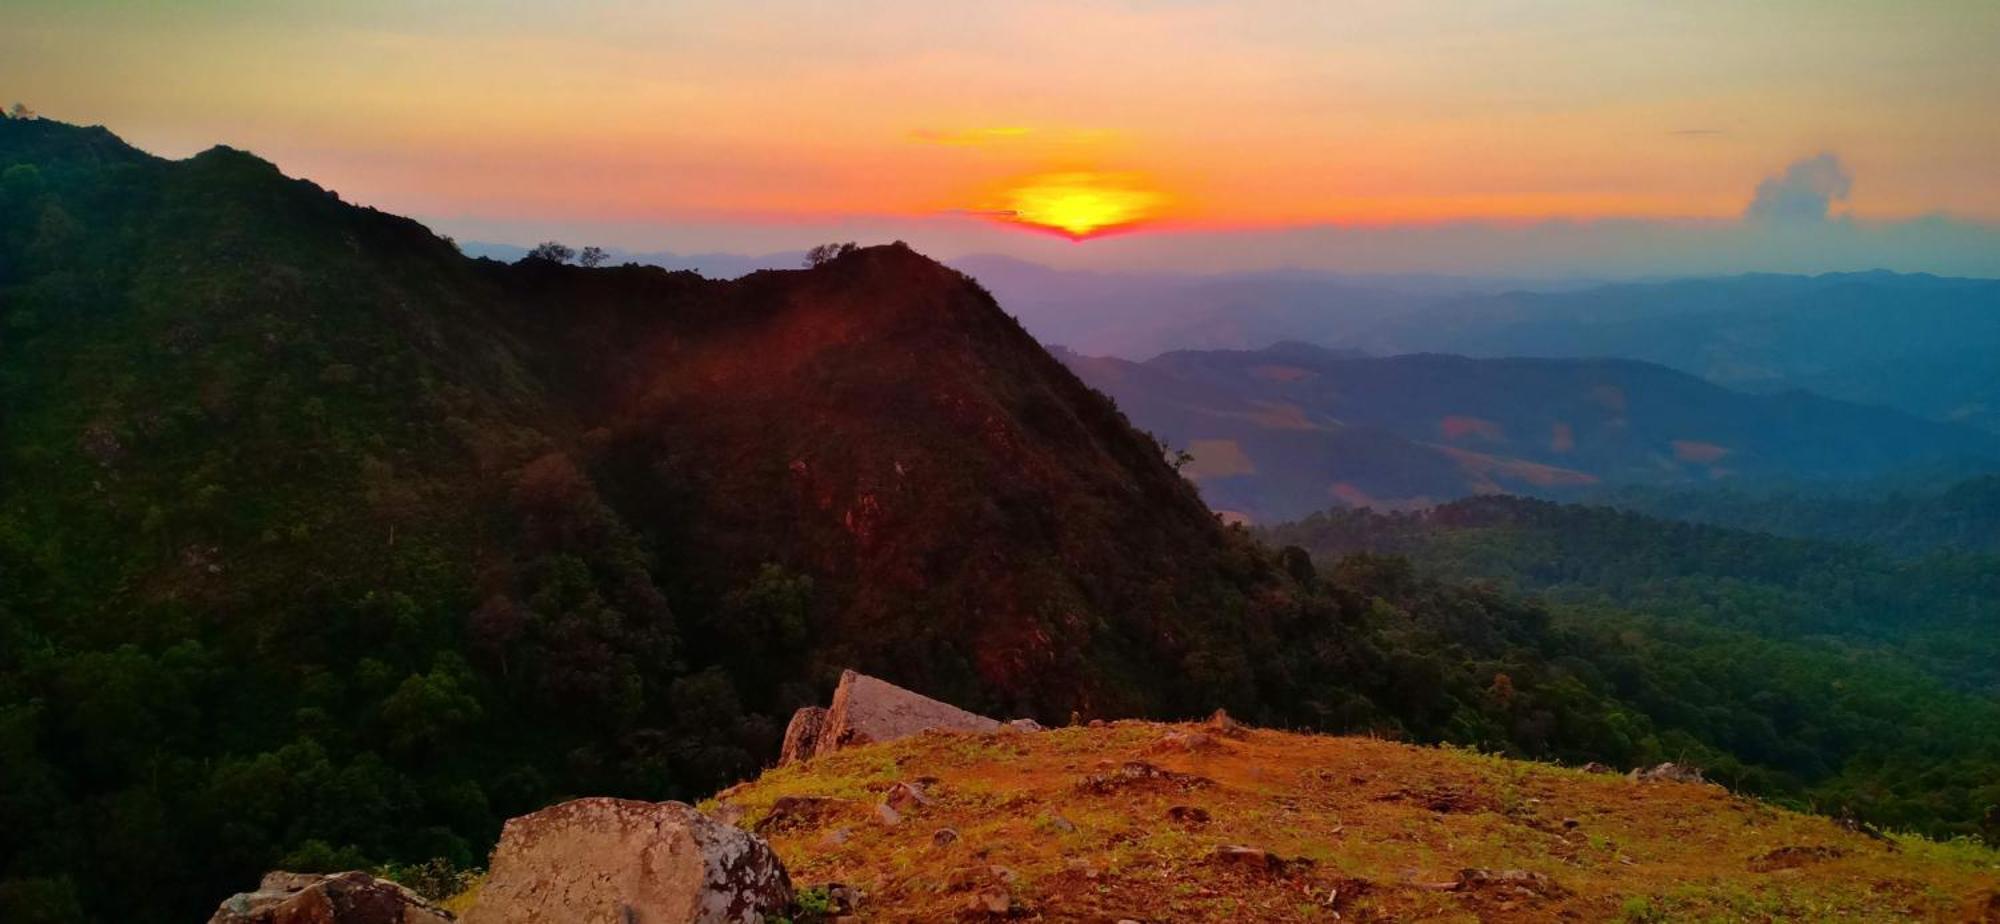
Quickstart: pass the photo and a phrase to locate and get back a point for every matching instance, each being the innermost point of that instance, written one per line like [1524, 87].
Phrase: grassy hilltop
[1142, 821]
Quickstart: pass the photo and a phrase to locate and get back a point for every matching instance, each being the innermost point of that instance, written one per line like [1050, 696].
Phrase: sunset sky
[771, 123]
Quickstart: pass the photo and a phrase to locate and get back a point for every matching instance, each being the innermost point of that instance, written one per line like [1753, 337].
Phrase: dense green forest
[1964, 516]
[324, 546]
[1828, 673]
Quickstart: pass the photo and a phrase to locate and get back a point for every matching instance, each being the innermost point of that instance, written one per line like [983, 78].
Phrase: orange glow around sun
[1080, 204]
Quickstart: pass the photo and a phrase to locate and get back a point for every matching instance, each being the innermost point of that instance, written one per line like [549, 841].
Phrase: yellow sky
[1246, 113]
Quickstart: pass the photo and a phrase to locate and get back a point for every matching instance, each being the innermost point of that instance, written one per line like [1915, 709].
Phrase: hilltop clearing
[1152, 822]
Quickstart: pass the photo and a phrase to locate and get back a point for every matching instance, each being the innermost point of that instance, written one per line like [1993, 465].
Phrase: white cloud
[1805, 192]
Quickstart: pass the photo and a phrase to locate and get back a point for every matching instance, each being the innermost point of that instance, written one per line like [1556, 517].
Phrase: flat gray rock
[866, 710]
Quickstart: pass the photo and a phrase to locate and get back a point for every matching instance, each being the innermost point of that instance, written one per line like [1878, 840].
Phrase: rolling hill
[1919, 343]
[1916, 342]
[1963, 515]
[1280, 432]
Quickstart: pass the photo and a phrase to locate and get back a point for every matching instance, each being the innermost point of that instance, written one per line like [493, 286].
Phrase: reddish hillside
[987, 525]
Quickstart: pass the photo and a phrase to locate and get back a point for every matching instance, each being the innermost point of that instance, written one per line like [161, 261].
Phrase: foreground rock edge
[614, 861]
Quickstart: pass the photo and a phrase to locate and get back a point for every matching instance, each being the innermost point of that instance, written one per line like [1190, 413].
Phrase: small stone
[888, 816]
[1258, 860]
[843, 898]
[1243, 856]
[992, 900]
[905, 796]
[943, 837]
[793, 812]
[1667, 773]
[1789, 859]
[1518, 881]
[1187, 743]
[1188, 815]
[1140, 774]
[835, 837]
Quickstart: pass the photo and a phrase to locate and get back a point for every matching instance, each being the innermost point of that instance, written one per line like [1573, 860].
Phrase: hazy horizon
[1521, 139]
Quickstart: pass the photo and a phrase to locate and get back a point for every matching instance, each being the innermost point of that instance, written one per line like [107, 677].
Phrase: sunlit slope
[1153, 822]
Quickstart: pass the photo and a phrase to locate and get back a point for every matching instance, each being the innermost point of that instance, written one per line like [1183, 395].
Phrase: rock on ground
[802, 734]
[618, 861]
[340, 898]
[866, 710]
[1667, 773]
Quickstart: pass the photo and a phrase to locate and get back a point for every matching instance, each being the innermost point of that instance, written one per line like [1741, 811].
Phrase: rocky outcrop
[618, 861]
[340, 898]
[802, 734]
[866, 710]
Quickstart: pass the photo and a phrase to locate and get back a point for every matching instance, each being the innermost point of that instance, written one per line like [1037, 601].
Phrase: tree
[592, 256]
[764, 625]
[427, 709]
[1178, 458]
[21, 111]
[827, 253]
[559, 505]
[552, 251]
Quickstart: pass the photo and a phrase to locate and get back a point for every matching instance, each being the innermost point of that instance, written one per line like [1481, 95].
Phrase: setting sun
[1081, 204]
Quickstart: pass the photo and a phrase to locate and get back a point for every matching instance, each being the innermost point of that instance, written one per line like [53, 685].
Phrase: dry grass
[1354, 830]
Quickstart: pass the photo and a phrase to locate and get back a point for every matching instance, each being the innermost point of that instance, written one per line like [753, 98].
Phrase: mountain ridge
[1297, 426]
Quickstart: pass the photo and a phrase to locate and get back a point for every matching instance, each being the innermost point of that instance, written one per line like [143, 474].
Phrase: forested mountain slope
[1835, 672]
[325, 546]
[318, 536]
[1906, 521]
[322, 545]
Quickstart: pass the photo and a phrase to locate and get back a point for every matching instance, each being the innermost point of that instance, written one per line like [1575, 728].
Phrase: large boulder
[619, 861]
[340, 898]
[866, 710]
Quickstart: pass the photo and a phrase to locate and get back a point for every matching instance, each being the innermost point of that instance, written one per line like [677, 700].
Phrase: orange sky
[1250, 113]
